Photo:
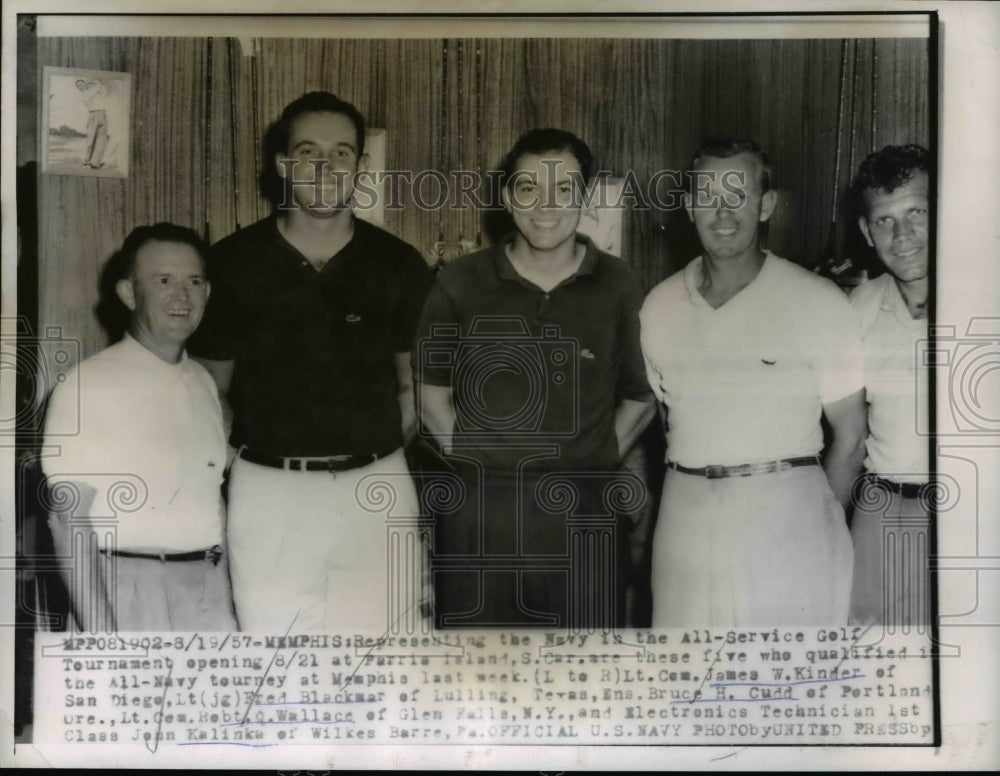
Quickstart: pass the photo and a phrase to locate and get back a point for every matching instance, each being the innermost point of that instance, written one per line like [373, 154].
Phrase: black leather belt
[213, 554]
[333, 463]
[904, 489]
[745, 469]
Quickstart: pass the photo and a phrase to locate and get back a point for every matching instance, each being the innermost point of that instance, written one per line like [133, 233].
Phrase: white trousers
[323, 551]
[891, 562]
[770, 549]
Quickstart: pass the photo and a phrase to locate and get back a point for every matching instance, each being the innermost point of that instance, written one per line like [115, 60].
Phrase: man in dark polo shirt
[530, 377]
[308, 335]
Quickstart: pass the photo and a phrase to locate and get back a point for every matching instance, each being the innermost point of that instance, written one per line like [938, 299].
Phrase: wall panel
[200, 108]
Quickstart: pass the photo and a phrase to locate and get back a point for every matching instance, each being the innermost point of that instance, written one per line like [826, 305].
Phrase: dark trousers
[539, 549]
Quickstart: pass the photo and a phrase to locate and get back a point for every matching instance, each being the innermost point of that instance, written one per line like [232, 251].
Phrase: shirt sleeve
[415, 281]
[654, 376]
[839, 364]
[223, 327]
[435, 346]
[632, 382]
[74, 411]
[62, 414]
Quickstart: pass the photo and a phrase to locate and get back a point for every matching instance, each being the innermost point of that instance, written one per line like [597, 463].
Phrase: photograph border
[935, 76]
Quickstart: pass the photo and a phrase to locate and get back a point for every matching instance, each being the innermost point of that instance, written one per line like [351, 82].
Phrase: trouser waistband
[213, 554]
[904, 489]
[331, 463]
[745, 469]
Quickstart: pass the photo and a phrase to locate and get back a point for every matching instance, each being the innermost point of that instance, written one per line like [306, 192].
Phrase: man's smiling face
[543, 199]
[728, 204]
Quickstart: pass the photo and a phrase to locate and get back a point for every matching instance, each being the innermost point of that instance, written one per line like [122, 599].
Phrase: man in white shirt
[137, 516]
[891, 522]
[746, 351]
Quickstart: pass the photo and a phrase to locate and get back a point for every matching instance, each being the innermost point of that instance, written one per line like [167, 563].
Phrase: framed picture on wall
[85, 127]
[369, 194]
[602, 219]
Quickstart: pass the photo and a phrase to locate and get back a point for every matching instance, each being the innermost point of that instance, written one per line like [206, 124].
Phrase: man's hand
[404, 378]
[437, 413]
[631, 417]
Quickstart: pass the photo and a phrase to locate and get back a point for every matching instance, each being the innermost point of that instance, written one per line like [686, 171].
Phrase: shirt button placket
[543, 304]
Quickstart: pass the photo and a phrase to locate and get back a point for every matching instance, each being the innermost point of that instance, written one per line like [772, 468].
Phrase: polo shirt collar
[692, 277]
[140, 353]
[505, 270]
[893, 302]
[285, 247]
[276, 238]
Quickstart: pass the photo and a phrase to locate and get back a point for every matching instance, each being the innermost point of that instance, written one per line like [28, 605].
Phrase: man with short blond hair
[891, 525]
[747, 351]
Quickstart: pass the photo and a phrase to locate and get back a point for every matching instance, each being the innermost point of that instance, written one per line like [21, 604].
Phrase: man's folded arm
[848, 419]
[436, 409]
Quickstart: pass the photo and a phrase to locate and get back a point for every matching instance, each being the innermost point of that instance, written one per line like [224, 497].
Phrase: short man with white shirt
[891, 521]
[149, 458]
[746, 351]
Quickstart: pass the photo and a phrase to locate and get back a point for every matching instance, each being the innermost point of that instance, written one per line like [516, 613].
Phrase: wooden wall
[200, 107]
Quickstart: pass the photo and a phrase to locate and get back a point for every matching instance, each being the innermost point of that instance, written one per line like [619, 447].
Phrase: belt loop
[163, 557]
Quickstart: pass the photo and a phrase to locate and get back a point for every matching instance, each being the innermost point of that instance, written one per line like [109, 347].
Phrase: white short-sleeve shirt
[896, 385]
[149, 428]
[747, 382]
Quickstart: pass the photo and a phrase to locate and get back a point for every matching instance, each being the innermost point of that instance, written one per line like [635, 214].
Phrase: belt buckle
[334, 462]
[214, 554]
[715, 472]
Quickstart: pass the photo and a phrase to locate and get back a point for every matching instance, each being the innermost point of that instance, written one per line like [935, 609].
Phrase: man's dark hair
[318, 102]
[539, 141]
[276, 138]
[888, 169]
[111, 313]
[124, 259]
[725, 147]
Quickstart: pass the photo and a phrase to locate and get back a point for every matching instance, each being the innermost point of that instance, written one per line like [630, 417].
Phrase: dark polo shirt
[531, 369]
[314, 351]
